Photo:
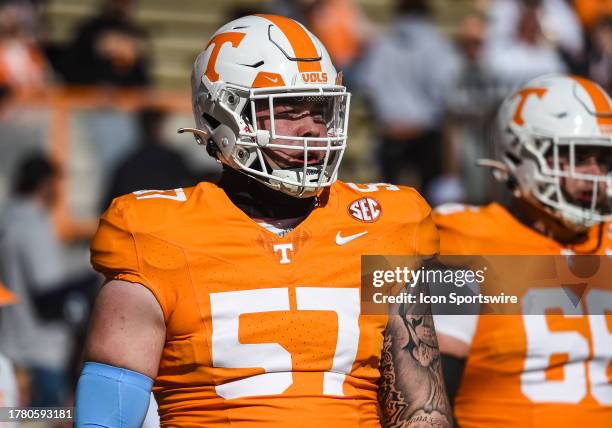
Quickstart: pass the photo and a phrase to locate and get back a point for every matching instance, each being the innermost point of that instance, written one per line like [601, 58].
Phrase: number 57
[228, 352]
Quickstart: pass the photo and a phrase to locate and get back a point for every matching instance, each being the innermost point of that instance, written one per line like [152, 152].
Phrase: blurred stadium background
[86, 81]
[56, 116]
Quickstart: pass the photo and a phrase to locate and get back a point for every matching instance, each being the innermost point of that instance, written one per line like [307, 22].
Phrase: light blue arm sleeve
[111, 397]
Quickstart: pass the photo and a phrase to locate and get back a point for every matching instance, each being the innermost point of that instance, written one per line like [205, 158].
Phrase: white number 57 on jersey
[228, 352]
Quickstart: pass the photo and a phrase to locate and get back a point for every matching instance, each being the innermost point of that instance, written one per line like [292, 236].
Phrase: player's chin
[288, 161]
[586, 202]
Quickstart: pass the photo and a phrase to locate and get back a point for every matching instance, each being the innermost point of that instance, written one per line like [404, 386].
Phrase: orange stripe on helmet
[301, 43]
[600, 101]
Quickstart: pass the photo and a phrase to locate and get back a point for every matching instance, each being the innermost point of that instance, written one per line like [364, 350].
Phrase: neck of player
[260, 202]
[546, 224]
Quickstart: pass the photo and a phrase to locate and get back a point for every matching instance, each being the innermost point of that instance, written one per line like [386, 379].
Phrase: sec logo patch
[365, 209]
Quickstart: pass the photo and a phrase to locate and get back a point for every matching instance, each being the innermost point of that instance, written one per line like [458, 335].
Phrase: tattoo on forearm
[423, 346]
[411, 390]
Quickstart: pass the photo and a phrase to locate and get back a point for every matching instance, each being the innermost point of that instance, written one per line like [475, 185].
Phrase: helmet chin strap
[293, 174]
[533, 213]
[263, 138]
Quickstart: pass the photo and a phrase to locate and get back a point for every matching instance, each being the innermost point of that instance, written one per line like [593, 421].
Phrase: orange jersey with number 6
[262, 330]
[531, 370]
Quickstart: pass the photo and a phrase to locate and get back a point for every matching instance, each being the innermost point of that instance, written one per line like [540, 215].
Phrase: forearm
[412, 392]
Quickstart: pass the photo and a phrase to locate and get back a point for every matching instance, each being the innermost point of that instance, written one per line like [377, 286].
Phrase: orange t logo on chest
[524, 94]
[218, 41]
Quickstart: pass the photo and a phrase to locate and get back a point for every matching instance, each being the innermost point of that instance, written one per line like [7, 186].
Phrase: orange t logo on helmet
[219, 40]
[524, 94]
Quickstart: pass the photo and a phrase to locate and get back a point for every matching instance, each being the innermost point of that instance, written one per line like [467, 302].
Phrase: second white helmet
[542, 131]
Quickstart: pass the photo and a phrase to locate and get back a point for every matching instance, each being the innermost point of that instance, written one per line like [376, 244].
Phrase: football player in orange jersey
[555, 153]
[239, 302]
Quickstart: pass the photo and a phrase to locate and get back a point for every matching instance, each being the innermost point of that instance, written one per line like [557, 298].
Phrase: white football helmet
[542, 129]
[255, 62]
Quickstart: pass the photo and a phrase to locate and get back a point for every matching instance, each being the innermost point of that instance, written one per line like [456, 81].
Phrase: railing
[61, 103]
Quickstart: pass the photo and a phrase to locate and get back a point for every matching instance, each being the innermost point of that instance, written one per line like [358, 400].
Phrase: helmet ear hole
[211, 121]
[212, 149]
[247, 114]
[511, 183]
[515, 159]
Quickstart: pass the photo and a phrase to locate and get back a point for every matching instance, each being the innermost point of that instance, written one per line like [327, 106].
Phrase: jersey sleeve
[450, 222]
[452, 242]
[115, 252]
[416, 232]
[427, 239]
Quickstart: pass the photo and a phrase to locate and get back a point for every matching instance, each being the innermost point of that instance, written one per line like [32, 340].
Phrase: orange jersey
[262, 330]
[532, 370]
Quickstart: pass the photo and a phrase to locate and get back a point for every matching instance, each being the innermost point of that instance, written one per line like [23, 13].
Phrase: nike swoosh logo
[341, 240]
[273, 80]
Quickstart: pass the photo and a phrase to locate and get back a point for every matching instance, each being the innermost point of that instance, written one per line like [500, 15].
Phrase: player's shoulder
[455, 214]
[476, 221]
[150, 210]
[393, 202]
[469, 217]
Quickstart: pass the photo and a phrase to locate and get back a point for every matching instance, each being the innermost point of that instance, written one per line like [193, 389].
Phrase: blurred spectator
[518, 50]
[342, 28]
[153, 165]
[30, 258]
[471, 102]
[591, 11]
[110, 49]
[240, 10]
[559, 23]
[293, 9]
[445, 189]
[28, 15]
[599, 60]
[23, 67]
[406, 75]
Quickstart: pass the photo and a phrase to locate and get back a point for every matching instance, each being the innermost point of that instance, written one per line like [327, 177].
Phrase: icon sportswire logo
[342, 240]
